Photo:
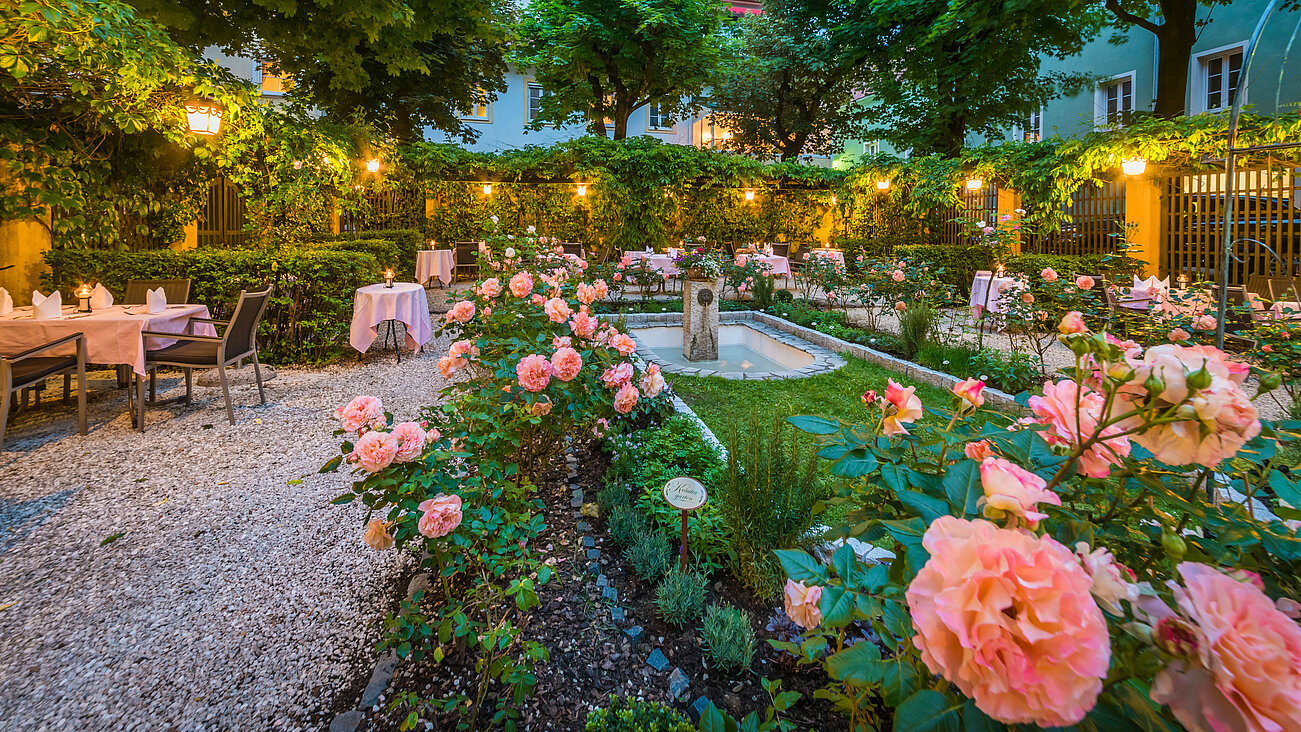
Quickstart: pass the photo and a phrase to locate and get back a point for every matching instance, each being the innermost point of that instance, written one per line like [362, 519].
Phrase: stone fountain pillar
[700, 319]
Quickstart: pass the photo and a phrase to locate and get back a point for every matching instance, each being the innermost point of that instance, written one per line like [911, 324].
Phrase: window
[270, 83]
[1216, 81]
[1114, 100]
[536, 92]
[657, 120]
[480, 110]
[1030, 128]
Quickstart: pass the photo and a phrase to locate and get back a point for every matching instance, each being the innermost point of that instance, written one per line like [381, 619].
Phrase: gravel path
[233, 596]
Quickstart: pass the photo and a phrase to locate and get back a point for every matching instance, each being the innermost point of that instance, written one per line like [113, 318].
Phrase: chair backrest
[241, 334]
[466, 251]
[1285, 289]
[573, 247]
[177, 291]
[781, 249]
[1237, 295]
[1258, 284]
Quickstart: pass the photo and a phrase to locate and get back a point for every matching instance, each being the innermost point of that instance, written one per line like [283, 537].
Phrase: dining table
[987, 292]
[113, 334]
[777, 265]
[376, 304]
[659, 262]
[833, 254]
[431, 263]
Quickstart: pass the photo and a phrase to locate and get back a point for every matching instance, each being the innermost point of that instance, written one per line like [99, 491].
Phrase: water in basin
[740, 349]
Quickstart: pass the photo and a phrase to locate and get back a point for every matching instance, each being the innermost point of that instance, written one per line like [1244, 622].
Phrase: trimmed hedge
[394, 248]
[960, 262]
[310, 310]
[1116, 267]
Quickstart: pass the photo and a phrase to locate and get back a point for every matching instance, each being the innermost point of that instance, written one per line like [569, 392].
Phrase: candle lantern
[487, 189]
[1133, 166]
[1183, 280]
[582, 189]
[83, 298]
[388, 277]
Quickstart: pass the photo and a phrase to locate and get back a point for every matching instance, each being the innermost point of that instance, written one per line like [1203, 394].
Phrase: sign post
[686, 495]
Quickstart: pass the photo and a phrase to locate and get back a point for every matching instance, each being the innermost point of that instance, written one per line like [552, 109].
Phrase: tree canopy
[601, 60]
[1175, 25]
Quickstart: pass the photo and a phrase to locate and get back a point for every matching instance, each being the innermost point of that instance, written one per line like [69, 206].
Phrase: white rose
[510, 252]
[493, 219]
[532, 229]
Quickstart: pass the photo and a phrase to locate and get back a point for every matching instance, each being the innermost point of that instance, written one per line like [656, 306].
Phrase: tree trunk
[620, 124]
[1175, 38]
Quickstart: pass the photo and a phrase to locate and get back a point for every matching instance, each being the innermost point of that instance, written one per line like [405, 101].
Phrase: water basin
[741, 349]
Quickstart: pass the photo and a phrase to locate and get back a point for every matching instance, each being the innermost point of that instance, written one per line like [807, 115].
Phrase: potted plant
[700, 264]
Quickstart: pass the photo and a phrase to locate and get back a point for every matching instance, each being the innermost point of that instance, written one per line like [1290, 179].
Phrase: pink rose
[600, 289]
[900, 306]
[601, 427]
[461, 312]
[448, 365]
[652, 382]
[377, 536]
[1011, 489]
[979, 450]
[586, 293]
[521, 284]
[868, 398]
[903, 407]
[362, 411]
[490, 288]
[441, 515]
[1027, 298]
[566, 363]
[802, 604]
[625, 399]
[375, 450]
[623, 343]
[1205, 322]
[1110, 584]
[533, 372]
[1244, 665]
[618, 276]
[616, 376]
[1073, 419]
[1072, 322]
[411, 441]
[583, 325]
[1006, 616]
[1049, 274]
[1084, 282]
[971, 392]
[559, 342]
[463, 349]
[541, 407]
[897, 275]
[1179, 335]
[557, 310]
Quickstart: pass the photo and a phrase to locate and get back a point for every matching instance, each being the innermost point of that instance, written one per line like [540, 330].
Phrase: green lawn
[720, 401]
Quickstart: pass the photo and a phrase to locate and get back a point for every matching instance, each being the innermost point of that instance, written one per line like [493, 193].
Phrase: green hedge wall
[1118, 268]
[394, 248]
[960, 263]
[307, 319]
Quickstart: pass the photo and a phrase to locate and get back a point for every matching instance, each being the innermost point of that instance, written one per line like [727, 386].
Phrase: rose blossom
[521, 284]
[463, 349]
[652, 382]
[1027, 298]
[583, 325]
[1011, 489]
[566, 363]
[441, 515]
[900, 306]
[1244, 665]
[1179, 335]
[533, 372]
[362, 411]
[897, 275]
[600, 289]
[601, 427]
[377, 536]
[448, 366]
[375, 450]
[1072, 322]
[1049, 274]
[979, 450]
[557, 310]
[1110, 585]
[1074, 418]
[1006, 616]
[461, 312]
[586, 294]
[971, 392]
[490, 288]
[1084, 282]
[623, 343]
[907, 408]
[616, 376]
[411, 441]
[541, 407]
[801, 604]
[559, 342]
[625, 399]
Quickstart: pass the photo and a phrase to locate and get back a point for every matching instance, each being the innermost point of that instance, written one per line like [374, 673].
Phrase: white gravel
[232, 599]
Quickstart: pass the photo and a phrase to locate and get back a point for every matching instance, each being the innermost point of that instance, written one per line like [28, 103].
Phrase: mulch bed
[591, 655]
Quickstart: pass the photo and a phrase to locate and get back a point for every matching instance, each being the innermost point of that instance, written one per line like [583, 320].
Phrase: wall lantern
[749, 195]
[372, 165]
[883, 184]
[975, 184]
[204, 116]
[487, 189]
[1133, 166]
[582, 189]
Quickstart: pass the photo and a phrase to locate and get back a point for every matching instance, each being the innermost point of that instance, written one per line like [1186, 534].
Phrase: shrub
[626, 714]
[680, 598]
[650, 555]
[306, 320]
[916, 325]
[729, 638]
[1118, 268]
[610, 497]
[952, 360]
[766, 498]
[959, 263]
[1011, 372]
[626, 525]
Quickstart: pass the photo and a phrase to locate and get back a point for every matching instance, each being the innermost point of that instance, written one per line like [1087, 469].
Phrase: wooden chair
[781, 249]
[196, 351]
[1284, 289]
[573, 247]
[23, 370]
[177, 291]
[467, 258]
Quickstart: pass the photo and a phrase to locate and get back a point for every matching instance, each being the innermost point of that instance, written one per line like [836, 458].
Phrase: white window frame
[650, 112]
[1100, 96]
[259, 75]
[1018, 132]
[1198, 73]
[529, 86]
[469, 116]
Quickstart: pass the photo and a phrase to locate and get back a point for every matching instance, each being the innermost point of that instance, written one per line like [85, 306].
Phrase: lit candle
[83, 298]
[388, 277]
[1183, 280]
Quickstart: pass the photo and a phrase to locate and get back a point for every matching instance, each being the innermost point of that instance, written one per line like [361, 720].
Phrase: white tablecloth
[112, 334]
[660, 262]
[984, 296]
[374, 304]
[431, 263]
[779, 265]
[835, 254]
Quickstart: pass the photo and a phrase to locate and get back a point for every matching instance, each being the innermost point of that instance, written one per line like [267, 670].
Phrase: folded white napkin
[6, 302]
[1151, 283]
[100, 297]
[44, 308]
[156, 300]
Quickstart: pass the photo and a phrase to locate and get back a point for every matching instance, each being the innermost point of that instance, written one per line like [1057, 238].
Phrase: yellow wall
[22, 243]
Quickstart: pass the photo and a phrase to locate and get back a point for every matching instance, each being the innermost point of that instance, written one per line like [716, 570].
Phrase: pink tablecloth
[112, 334]
[658, 262]
[431, 263]
[779, 265]
[986, 296]
[374, 304]
[835, 254]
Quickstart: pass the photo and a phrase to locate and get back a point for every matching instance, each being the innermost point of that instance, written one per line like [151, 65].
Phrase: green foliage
[626, 714]
[916, 328]
[1118, 268]
[306, 320]
[953, 360]
[611, 497]
[1011, 371]
[650, 555]
[766, 498]
[729, 637]
[626, 525]
[958, 264]
[680, 598]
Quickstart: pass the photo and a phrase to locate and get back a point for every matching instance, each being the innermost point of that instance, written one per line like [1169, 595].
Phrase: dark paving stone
[698, 708]
[678, 684]
[635, 633]
[657, 660]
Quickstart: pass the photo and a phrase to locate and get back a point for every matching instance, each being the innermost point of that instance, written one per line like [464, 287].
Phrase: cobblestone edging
[825, 361]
